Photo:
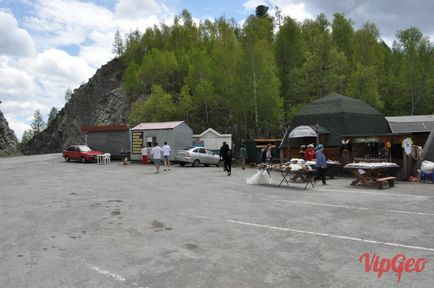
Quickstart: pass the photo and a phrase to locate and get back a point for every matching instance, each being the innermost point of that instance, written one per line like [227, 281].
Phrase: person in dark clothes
[321, 163]
[223, 152]
[228, 160]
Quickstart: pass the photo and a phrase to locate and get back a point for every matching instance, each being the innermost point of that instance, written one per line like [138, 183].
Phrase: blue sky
[48, 46]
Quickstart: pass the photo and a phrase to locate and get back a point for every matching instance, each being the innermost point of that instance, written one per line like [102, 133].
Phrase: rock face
[100, 101]
[8, 141]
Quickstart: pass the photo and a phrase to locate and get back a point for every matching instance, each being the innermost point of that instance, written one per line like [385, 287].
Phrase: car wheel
[67, 159]
[182, 164]
[219, 164]
[196, 163]
[83, 160]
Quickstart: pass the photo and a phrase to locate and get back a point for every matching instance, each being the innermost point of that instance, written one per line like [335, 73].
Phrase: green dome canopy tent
[339, 115]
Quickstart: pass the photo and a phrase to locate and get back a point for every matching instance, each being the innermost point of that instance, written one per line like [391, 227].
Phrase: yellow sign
[137, 142]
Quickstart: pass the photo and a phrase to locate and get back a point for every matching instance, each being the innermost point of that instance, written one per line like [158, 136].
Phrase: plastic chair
[426, 176]
[106, 158]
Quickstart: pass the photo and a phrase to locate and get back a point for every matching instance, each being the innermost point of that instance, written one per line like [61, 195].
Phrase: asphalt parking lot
[87, 225]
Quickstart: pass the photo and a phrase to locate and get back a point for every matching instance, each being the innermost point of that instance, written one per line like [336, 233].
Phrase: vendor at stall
[309, 154]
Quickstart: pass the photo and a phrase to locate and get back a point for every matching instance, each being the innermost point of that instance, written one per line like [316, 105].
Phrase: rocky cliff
[8, 141]
[102, 100]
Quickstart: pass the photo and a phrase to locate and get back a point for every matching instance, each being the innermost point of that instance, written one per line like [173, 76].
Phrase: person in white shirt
[156, 156]
[166, 154]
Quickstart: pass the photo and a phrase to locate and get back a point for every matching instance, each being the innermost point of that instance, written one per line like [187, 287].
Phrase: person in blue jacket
[321, 163]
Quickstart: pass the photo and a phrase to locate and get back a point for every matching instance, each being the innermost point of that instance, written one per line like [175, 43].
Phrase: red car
[80, 152]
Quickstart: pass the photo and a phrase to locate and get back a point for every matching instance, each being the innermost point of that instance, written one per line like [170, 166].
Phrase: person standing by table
[156, 156]
[166, 155]
[309, 154]
[266, 154]
[144, 154]
[243, 156]
[321, 163]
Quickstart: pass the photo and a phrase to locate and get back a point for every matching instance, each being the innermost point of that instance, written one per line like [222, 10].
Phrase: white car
[196, 156]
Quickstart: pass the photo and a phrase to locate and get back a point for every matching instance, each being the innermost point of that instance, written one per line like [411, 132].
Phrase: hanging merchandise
[406, 144]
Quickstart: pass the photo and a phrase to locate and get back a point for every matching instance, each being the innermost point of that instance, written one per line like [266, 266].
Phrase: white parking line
[112, 275]
[373, 193]
[312, 233]
[357, 208]
[107, 273]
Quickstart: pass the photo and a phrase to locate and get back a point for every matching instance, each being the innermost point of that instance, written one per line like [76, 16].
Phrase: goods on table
[370, 165]
[288, 166]
[329, 162]
[427, 166]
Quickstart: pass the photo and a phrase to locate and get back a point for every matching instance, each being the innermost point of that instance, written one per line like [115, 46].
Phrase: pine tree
[51, 115]
[68, 94]
[118, 44]
[38, 123]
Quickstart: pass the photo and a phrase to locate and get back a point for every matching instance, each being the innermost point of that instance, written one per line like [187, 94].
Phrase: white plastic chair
[106, 158]
[100, 159]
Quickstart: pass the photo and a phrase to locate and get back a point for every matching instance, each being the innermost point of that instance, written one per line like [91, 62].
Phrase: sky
[48, 46]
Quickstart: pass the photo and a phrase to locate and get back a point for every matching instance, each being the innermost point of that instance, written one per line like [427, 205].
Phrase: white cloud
[72, 38]
[252, 4]
[135, 9]
[14, 82]
[14, 41]
[296, 11]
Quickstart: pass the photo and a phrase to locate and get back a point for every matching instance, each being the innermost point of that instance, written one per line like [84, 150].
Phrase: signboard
[137, 142]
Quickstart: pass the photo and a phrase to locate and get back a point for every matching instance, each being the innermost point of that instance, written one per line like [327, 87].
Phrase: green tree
[38, 123]
[27, 135]
[289, 59]
[259, 76]
[417, 69]
[262, 11]
[324, 69]
[185, 103]
[118, 44]
[68, 94]
[158, 67]
[51, 115]
[158, 107]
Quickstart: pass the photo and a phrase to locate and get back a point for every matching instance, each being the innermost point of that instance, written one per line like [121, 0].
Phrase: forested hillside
[249, 80]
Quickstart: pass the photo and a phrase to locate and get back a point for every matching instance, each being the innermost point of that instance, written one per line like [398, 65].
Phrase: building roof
[105, 128]
[341, 115]
[157, 125]
[411, 124]
[212, 131]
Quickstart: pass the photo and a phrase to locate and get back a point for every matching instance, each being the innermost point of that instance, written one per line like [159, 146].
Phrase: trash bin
[145, 159]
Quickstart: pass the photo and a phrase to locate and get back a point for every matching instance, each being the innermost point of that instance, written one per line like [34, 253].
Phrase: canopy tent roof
[302, 131]
[411, 124]
[157, 125]
[428, 148]
[341, 115]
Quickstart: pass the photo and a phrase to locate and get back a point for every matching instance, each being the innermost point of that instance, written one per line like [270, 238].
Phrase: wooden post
[404, 163]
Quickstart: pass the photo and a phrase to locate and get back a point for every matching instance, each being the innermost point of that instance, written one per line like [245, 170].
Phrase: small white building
[176, 133]
[212, 140]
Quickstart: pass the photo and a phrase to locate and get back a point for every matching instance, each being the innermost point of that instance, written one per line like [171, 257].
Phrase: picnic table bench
[390, 180]
[369, 174]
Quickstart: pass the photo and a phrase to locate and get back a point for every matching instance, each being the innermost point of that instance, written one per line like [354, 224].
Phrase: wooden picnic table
[369, 174]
